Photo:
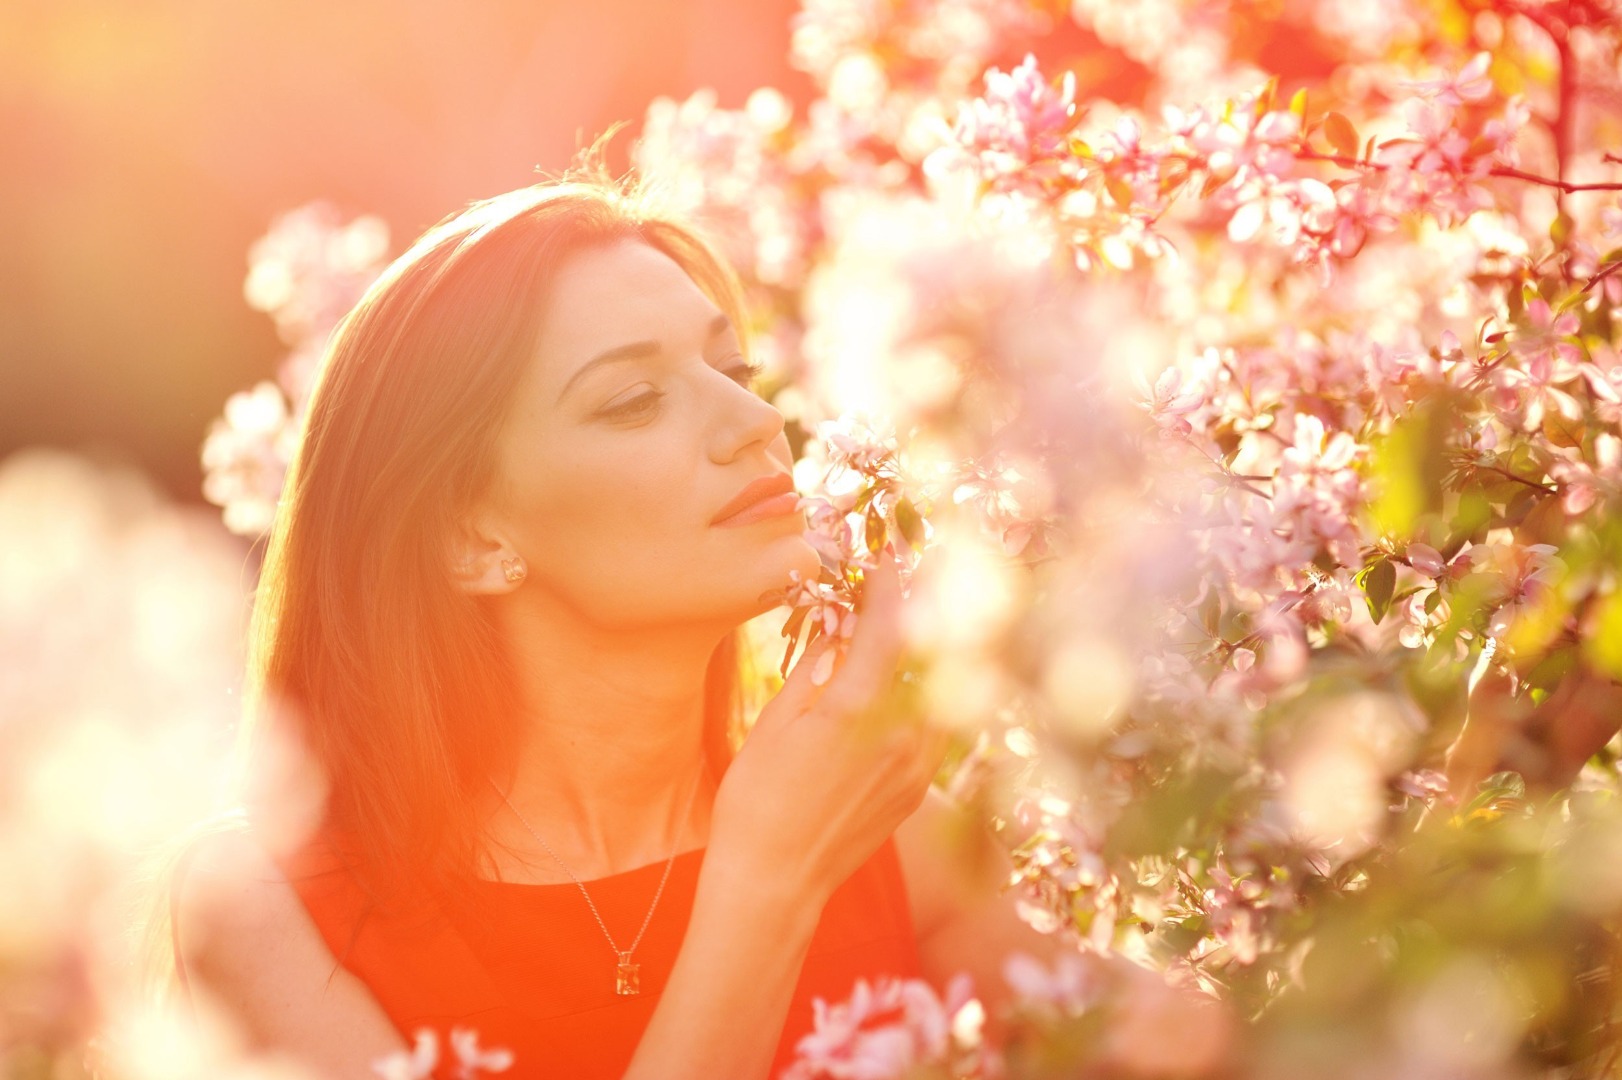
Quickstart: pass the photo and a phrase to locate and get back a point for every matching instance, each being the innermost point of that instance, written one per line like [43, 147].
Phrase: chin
[791, 553]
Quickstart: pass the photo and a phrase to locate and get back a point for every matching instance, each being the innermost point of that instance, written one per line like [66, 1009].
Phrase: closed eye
[744, 374]
[635, 407]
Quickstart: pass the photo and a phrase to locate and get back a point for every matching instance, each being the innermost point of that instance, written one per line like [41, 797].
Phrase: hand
[825, 777]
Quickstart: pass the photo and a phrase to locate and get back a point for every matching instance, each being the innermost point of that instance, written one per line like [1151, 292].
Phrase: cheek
[619, 511]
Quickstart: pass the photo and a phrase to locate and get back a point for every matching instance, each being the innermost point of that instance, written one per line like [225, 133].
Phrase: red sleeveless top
[532, 972]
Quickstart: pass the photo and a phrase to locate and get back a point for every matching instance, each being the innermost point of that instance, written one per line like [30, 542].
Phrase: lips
[753, 492]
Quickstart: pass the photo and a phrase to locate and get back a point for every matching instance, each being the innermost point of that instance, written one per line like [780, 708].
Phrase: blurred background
[150, 143]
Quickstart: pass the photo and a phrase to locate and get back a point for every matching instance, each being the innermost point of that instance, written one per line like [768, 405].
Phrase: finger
[799, 690]
[917, 747]
[875, 647]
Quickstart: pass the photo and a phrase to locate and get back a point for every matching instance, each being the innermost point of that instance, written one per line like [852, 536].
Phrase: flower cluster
[890, 1028]
[305, 273]
[423, 1060]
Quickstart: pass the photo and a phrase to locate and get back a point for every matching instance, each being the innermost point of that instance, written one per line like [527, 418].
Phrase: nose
[745, 420]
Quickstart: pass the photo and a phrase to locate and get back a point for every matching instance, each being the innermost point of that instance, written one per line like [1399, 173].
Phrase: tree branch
[1496, 170]
[1602, 275]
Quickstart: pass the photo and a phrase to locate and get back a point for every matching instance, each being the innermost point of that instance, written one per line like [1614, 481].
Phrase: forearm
[722, 1012]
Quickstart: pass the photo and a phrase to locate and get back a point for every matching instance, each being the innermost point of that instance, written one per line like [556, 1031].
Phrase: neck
[612, 752]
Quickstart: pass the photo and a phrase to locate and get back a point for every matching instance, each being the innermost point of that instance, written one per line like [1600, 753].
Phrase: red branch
[1496, 170]
[1602, 275]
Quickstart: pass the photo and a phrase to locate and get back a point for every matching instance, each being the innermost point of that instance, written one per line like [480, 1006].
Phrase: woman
[498, 609]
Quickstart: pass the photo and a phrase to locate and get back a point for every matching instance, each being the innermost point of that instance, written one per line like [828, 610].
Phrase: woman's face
[632, 428]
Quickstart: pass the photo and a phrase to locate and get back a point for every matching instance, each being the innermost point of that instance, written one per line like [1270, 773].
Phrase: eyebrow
[638, 350]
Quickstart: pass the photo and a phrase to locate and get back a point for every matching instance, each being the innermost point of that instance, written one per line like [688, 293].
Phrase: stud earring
[514, 569]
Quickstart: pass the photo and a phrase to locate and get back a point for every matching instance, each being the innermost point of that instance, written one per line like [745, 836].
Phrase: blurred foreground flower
[894, 1028]
[121, 619]
[422, 1061]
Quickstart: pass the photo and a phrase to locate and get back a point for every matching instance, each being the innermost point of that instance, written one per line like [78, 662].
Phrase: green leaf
[1404, 594]
[1603, 647]
[1377, 588]
[791, 631]
[1495, 789]
[1560, 229]
[875, 529]
[1407, 469]
[1298, 102]
[910, 523]
[1547, 672]
[1341, 134]
[1264, 102]
[1504, 785]
[1561, 430]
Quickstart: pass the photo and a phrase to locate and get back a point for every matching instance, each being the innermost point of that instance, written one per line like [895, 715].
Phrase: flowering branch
[1505, 171]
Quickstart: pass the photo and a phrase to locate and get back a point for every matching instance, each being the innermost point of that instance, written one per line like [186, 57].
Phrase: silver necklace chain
[625, 954]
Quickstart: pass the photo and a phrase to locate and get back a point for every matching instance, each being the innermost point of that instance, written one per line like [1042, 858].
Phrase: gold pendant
[625, 976]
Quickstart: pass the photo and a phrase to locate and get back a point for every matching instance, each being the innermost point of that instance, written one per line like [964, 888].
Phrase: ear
[477, 555]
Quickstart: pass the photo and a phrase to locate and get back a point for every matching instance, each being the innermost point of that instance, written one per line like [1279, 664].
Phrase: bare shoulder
[225, 867]
[250, 947]
[948, 860]
[230, 888]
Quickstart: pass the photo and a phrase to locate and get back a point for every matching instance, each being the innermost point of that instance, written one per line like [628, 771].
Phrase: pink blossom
[1419, 627]
[857, 444]
[1020, 122]
[1234, 906]
[1422, 783]
[421, 1061]
[245, 457]
[1582, 484]
[414, 1064]
[885, 1029]
[1059, 870]
[1167, 402]
[725, 165]
[1072, 985]
[1436, 168]
[311, 267]
[1426, 559]
[1611, 221]
[471, 1060]
[1543, 359]
[1525, 573]
[1471, 83]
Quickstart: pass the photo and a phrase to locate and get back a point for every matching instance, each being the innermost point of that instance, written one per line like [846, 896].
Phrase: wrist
[736, 877]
